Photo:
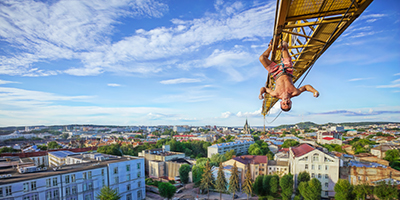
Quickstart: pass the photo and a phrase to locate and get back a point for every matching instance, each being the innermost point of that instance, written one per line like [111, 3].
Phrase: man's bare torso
[284, 84]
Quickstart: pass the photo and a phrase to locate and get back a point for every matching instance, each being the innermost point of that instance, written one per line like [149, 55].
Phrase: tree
[167, 190]
[64, 136]
[392, 155]
[311, 190]
[363, 190]
[53, 145]
[106, 193]
[303, 177]
[218, 158]
[289, 143]
[266, 185]
[258, 185]
[344, 190]
[386, 191]
[247, 185]
[197, 172]
[207, 179]
[274, 185]
[230, 154]
[234, 180]
[286, 184]
[184, 173]
[221, 183]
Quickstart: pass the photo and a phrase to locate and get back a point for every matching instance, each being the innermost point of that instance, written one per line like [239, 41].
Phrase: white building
[324, 167]
[240, 147]
[78, 181]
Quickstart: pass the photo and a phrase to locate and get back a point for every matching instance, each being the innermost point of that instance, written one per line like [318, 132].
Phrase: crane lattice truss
[309, 27]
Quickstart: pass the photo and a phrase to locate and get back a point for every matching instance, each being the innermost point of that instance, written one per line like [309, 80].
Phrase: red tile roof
[302, 149]
[284, 150]
[250, 159]
[328, 138]
[183, 135]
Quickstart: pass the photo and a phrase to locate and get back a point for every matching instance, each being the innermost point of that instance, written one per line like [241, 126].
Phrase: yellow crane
[309, 27]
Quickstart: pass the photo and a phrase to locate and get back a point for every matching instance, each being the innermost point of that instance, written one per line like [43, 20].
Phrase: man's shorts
[277, 70]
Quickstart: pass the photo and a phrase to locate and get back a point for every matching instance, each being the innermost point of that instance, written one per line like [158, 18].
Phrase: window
[73, 189]
[33, 185]
[138, 174]
[256, 173]
[48, 182]
[48, 195]
[115, 170]
[128, 168]
[90, 186]
[326, 185]
[84, 176]
[129, 197]
[312, 175]
[67, 179]
[316, 158]
[84, 187]
[262, 164]
[102, 172]
[139, 194]
[67, 191]
[306, 167]
[35, 197]
[319, 167]
[54, 181]
[55, 193]
[26, 187]
[116, 179]
[359, 178]
[104, 182]
[73, 179]
[90, 175]
[319, 175]
[326, 176]
[88, 197]
[1, 192]
[138, 165]
[128, 187]
[8, 191]
[128, 177]
[326, 193]
[312, 166]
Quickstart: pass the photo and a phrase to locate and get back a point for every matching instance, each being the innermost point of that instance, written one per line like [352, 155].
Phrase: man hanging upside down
[283, 74]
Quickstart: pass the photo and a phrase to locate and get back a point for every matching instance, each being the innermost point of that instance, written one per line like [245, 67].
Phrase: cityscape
[199, 100]
[157, 162]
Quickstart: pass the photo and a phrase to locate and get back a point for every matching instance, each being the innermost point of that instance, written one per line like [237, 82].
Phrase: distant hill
[303, 125]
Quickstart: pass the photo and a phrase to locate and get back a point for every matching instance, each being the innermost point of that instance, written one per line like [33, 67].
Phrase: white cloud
[249, 114]
[398, 74]
[389, 86]
[7, 82]
[82, 31]
[359, 79]
[226, 114]
[114, 85]
[180, 80]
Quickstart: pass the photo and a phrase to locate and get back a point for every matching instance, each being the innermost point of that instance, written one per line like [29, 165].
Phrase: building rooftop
[353, 163]
[61, 154]
[17, 177]
[278, 163]
[302, 149]
[250, 159]
[227, 144]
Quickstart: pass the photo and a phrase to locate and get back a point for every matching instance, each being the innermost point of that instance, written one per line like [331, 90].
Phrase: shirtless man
[284, 88]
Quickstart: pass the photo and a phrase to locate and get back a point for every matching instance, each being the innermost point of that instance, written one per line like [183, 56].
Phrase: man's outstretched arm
[309, 88]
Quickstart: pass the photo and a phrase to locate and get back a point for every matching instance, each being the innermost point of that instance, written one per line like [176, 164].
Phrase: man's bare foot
[260, 97]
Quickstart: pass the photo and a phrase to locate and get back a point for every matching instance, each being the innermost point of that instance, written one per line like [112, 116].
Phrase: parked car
[179, 190]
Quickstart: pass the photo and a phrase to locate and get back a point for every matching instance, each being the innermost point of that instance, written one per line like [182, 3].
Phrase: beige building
[258, 165]
[329, 137]
[320, 165]
[368, 172]
[162, 163]
[380, 150]
[278, 167]
[58, 158]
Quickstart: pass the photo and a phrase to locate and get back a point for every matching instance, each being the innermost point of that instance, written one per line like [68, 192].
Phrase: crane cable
[318, 55]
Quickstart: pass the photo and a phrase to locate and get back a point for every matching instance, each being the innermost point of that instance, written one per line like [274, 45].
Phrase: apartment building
[258, 165]
[240, 147]
[320, 165]
[81, 181]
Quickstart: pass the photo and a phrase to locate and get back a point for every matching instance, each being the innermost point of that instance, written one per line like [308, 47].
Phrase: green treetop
[221, 183]
[234, 180]
[248, 183]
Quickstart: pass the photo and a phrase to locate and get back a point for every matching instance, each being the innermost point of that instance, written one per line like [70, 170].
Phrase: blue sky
[179, 62]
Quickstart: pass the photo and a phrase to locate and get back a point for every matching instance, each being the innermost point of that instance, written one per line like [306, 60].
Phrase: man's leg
[264, 58]
[285, 50]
